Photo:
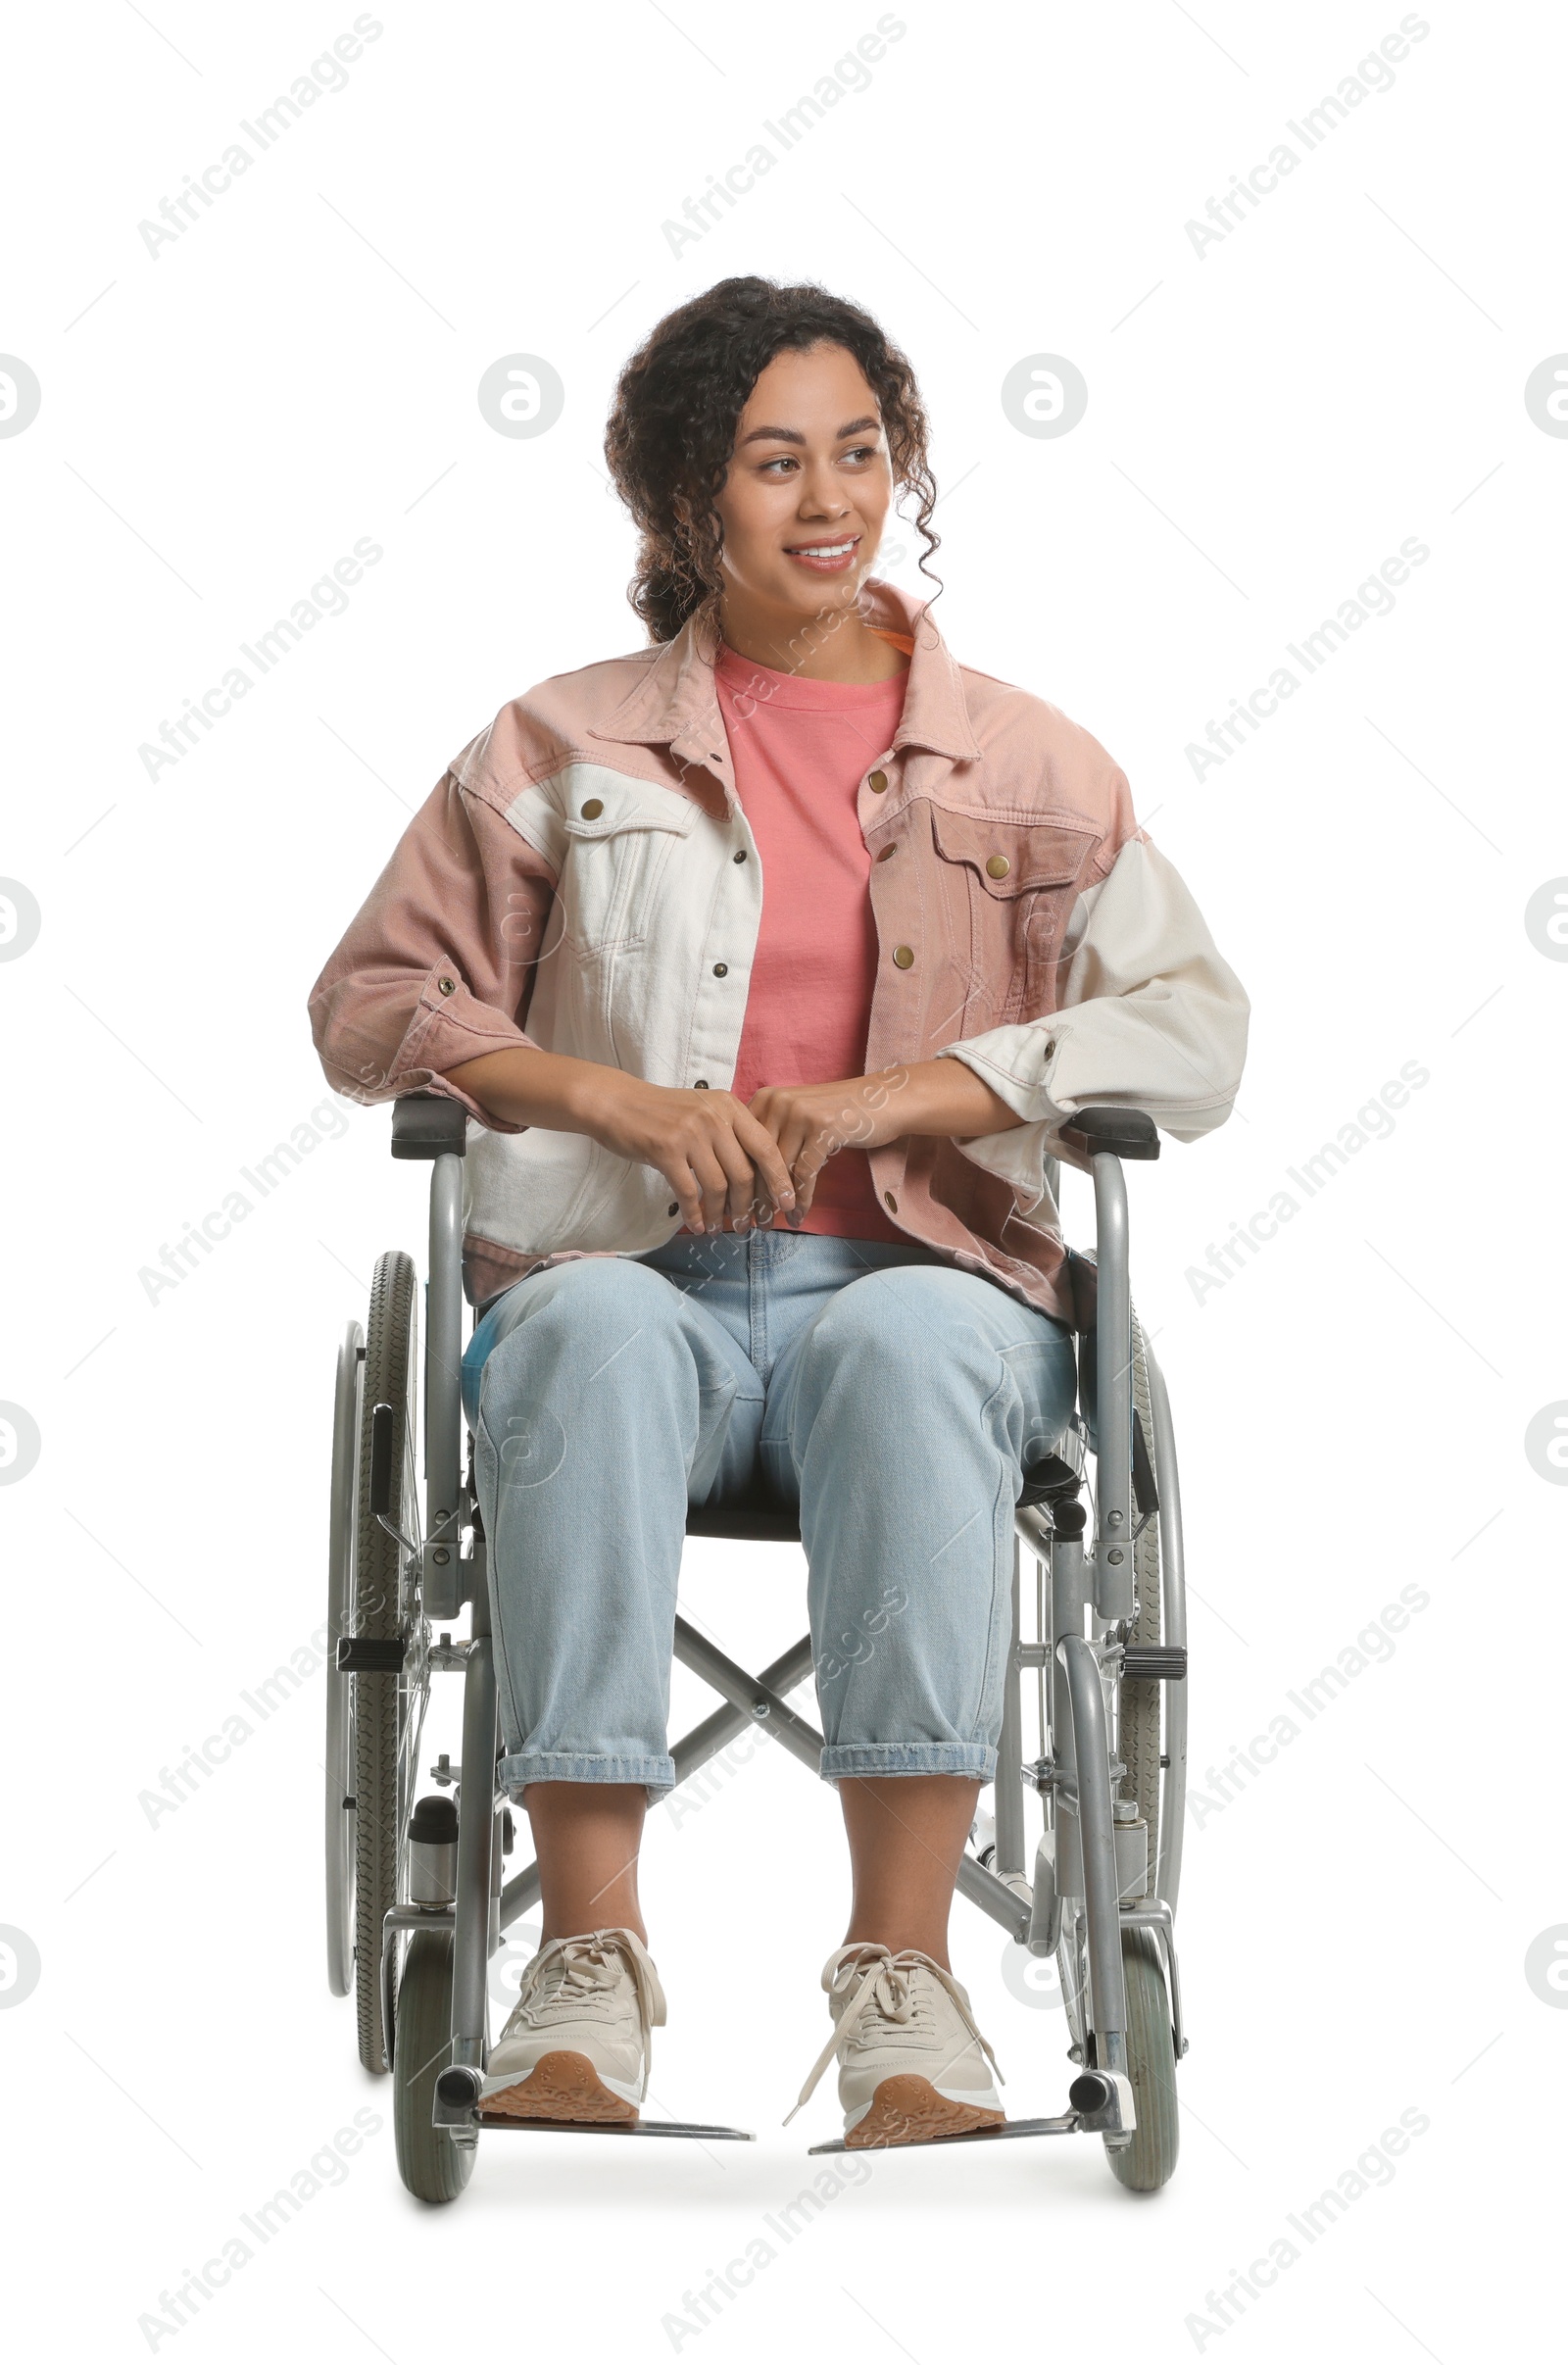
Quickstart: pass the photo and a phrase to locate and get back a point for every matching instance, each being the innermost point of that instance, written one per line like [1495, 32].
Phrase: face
[809, 487]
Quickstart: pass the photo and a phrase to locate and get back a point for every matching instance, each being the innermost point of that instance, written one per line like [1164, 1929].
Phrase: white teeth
[824, 550]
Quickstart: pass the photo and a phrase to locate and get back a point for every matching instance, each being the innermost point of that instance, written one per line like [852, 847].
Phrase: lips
[826, 557]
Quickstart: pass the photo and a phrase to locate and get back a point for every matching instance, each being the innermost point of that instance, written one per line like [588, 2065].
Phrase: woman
[756, 1195]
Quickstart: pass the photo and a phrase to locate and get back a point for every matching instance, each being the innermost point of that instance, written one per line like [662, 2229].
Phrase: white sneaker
[912, 2065]
[577, 2045]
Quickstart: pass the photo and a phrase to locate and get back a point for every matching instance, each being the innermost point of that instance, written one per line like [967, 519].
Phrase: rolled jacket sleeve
[1152, 1018]
[438, 965]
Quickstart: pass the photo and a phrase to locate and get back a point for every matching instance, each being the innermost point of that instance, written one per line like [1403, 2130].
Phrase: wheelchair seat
[754, 1517]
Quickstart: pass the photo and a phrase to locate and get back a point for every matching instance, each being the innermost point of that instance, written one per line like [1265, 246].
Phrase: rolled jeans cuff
[972, 1757]
[656, 1774]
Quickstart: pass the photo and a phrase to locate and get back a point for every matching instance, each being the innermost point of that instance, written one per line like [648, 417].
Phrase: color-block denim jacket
[584, 881]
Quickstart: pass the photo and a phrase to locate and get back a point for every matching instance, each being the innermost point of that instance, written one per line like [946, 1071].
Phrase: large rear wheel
[1140, 1701]
[387, 1704]
[339, 1760]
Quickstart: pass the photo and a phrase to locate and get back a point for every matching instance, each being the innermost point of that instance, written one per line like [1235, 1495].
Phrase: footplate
[701, 2134]
[1068, 2124]
[1102, 2104]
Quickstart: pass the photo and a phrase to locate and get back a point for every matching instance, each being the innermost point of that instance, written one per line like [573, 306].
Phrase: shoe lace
[869, 1978]
[584, 1978]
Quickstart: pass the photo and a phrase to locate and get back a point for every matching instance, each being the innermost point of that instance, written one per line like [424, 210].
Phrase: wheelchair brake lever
[383, 1439]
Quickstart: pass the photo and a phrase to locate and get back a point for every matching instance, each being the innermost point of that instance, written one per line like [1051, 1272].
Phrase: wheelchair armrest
[1124, 1132]
[427, 1124]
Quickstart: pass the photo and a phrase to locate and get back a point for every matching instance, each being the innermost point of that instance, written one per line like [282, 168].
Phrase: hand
[812, 1122]
[722, 1165]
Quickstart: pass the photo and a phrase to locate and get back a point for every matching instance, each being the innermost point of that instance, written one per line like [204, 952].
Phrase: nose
[821, 494]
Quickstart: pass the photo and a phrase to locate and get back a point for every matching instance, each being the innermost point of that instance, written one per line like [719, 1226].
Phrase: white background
[1267, 422]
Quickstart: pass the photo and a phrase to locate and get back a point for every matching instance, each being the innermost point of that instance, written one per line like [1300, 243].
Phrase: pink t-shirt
[801, 749]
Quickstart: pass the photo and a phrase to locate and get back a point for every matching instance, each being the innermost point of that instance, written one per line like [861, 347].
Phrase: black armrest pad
[1124, 1132]
[427, 1124]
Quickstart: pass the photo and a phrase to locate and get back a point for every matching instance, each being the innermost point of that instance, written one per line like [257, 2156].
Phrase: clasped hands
[731, 1164]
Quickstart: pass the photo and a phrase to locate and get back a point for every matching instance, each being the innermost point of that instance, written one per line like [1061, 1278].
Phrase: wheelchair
[417, 1897]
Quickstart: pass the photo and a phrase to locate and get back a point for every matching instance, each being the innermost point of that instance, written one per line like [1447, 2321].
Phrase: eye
[783, 460]
[861, 451]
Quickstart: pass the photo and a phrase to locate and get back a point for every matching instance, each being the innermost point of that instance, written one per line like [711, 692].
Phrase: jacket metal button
[700, 1084]
[593, 808]
[739, 858]
[886, 850]
[876, 782]
[722, 968]
[892, 1203]
[449, 985]
[674, 1206]
[903, 957]
[998, 867]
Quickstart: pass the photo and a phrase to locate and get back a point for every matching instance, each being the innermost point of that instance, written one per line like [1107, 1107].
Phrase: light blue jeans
[893, 1397]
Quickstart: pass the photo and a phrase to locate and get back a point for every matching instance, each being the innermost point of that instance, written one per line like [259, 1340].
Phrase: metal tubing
[759, 1702]
[1009, 1791]
[442, 1347]
[1066, 1618]
[1115, 1593]
[475, 1826]
[1092, 1751]
[1033, 1525]
[520, 1893]
[993, 1897]
[1174, 1574]
[703, 1742]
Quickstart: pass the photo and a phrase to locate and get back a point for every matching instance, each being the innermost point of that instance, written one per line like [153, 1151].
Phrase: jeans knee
[601, 1316]
[903, 1322]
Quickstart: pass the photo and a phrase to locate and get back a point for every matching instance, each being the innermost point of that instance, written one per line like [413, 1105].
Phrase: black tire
[338, 1758]
[430, 2163]
[1140, 1703]
[1150, 2159]
[383, 1608]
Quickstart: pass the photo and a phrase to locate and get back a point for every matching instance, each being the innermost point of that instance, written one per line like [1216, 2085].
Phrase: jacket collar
[675, 702]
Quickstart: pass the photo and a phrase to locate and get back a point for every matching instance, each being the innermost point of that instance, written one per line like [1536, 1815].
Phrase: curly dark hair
[671, 429]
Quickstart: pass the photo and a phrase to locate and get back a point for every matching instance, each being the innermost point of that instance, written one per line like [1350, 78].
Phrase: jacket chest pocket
[620, 836]
[1008, 889]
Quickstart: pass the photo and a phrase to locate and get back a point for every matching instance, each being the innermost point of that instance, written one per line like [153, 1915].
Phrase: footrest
[1069, 2123]
[703, 2135]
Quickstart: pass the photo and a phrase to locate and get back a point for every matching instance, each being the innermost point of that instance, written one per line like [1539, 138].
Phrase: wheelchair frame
[1099, 1898]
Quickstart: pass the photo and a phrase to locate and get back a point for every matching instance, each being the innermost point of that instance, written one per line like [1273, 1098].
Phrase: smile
[825, 558]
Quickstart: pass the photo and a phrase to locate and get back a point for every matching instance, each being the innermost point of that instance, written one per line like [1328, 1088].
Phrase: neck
[835, 645]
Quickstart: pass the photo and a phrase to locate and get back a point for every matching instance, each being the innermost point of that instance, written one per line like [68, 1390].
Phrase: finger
[713, 1183]
[741, 1192]
[687, 1191]
[818, 1144]
[771, 1165]
[822, 1143]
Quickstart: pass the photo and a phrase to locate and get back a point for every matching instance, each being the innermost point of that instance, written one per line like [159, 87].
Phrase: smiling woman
[769, 964]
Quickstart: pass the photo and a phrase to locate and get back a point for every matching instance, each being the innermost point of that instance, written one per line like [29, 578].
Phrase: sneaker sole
[910, 2110]
[560, 2086]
